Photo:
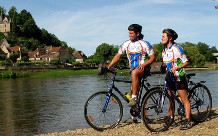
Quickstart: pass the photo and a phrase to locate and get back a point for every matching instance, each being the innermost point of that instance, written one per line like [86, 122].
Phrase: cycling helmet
[171, 33]
[135, 28]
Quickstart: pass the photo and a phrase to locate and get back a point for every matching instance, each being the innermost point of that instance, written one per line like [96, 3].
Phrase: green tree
[1, 36]
[204, 49]
[158, 48]
[25, 16]
[2, 11]
[13, 15]
[2, 57]
[103, 52]
[30, 29]
[193, 56]
[213, 49]
[13, 57]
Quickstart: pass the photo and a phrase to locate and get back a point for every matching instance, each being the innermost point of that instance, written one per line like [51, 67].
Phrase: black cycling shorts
[175, 85]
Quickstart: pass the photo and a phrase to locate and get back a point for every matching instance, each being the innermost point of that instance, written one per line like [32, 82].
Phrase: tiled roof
[14, 49]
[31, 54]
[57, 49]
[79, 55]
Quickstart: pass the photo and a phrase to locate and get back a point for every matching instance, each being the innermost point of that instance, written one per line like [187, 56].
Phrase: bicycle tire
[153, 118]
[147, 92]
[201, 103]
[97, 118]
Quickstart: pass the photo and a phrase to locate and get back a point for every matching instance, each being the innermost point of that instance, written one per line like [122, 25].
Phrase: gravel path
[209, 128]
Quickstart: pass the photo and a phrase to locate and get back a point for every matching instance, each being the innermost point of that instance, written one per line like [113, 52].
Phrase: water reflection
[31, 106]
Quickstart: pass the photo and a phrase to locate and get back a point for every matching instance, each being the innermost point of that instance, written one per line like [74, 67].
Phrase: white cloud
[85, 30]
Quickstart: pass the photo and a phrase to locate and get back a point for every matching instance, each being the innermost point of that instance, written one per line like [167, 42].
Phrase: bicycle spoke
[156, 115]
[201, 104]
[100, 118]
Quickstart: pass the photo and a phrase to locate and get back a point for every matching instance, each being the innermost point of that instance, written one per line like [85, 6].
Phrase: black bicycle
[104, 110]
[155, 108]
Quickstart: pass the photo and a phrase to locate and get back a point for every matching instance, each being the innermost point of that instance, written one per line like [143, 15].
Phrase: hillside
[24, 31]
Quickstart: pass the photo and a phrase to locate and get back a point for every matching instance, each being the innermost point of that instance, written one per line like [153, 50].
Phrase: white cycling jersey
[136, 51]
[171, 57]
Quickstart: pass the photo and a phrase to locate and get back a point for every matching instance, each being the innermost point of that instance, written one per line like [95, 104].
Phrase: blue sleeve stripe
[123, 43]
[149, 45]
[180, 49]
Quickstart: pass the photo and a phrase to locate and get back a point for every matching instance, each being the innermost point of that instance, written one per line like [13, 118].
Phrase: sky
[86, 24]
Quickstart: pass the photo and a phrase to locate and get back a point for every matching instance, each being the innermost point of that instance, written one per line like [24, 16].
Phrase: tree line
[197, 54]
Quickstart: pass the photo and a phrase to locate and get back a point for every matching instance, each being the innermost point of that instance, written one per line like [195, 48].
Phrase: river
[31, 106]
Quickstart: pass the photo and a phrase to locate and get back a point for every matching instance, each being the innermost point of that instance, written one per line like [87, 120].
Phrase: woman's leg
[186, 102]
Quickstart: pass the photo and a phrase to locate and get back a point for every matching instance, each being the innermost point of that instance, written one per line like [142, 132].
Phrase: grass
[64, 73]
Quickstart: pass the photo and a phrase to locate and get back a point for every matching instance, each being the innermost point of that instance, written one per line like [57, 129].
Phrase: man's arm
[152, 58]
[115, 60]
[148, 63]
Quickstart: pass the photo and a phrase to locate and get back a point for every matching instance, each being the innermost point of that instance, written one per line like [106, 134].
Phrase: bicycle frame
[112, 86]
[167, 87]
[191, 84]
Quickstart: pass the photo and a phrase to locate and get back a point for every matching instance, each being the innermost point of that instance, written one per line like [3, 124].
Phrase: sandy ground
[209, 128]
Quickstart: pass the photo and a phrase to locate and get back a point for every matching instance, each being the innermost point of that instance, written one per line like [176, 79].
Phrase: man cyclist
[175, 59]
[136, 49]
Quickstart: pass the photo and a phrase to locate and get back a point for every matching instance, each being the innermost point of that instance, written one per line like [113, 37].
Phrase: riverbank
[209, 127]
[66, 72]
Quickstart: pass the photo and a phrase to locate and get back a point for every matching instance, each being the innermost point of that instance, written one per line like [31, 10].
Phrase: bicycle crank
[135, 111]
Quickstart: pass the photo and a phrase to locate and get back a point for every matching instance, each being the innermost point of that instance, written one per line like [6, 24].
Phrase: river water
[31, 106]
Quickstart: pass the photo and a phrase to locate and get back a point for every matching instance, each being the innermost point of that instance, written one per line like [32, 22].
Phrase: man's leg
[136, 77]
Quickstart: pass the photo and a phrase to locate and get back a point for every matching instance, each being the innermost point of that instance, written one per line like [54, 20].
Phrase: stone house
[51, 53]
[79, 56]
[15, 49]
[4, 47]
[6, 50]
[215, 55]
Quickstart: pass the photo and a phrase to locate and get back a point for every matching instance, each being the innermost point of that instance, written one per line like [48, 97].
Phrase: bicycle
[155, 108]
[104, 110]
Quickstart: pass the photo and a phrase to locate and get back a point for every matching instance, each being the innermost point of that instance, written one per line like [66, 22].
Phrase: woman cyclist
[175, 59]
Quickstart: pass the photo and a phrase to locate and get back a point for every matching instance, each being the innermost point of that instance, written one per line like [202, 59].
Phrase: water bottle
[128, 96]
[179, 63]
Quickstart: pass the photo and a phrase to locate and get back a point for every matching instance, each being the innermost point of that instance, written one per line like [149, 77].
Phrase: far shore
[66, 72]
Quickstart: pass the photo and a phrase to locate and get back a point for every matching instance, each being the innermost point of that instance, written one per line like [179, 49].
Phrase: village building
[50, 53]
[215, 55]
[5, 24]
[15, 49]
[6, 50]
[79, 56]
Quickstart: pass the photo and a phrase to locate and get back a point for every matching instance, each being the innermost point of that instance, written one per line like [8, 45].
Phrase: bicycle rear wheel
[156, 116]
[101, 119]
[201, 103]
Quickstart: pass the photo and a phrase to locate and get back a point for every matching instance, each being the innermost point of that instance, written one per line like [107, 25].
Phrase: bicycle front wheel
[201, 103]
[156, 114]
[98, 117]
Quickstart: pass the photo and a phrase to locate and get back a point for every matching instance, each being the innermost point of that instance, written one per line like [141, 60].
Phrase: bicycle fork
[106, 102]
